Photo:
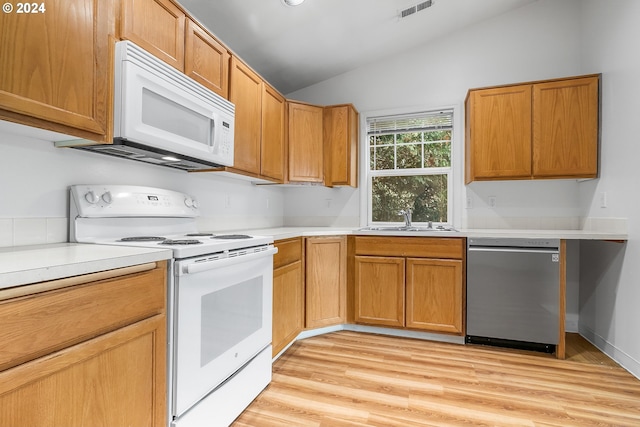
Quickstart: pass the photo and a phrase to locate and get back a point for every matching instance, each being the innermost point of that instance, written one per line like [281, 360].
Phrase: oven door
[223, 320]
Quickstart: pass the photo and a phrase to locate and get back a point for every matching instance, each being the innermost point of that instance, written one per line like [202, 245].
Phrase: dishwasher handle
[514, 250]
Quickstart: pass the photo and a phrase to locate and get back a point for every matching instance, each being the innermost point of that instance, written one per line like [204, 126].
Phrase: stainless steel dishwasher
[513, 293]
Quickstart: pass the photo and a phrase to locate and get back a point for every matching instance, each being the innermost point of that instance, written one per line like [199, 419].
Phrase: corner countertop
[22, 265]
[280, 233]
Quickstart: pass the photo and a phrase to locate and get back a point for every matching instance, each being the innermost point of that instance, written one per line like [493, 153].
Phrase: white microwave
[162, 116]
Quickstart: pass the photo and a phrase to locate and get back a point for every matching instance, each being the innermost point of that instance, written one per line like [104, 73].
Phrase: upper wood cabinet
[565, 128]
[499, 133]
[545, 129]
[326, 278]
[206, 60]
[163, 29]
[259, 145]
[273, 146]
[57, 67]
[246, 94]
[157, 26]
[341, 145]
[306, 151]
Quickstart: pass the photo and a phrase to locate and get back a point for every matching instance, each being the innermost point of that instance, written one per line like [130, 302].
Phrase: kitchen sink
[439, 228]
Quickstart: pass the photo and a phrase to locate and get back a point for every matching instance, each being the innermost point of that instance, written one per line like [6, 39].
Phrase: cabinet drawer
[427, 247]
[39, 324]
[289, 251]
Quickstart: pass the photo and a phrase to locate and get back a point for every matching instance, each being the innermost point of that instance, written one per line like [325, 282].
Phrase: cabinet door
[565, 128]
[57, 68]
[341, 145]
[246, 94]
[379, 290]
[273, 134]
[288, 305]
[434, 295]
[305, 143]
[157, 26]
[499, 133]
[206, 60]
[326, 279]
[117, 379]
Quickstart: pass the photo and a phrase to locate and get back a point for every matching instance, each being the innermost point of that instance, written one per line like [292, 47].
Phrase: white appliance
[219, 295]
[164, 117]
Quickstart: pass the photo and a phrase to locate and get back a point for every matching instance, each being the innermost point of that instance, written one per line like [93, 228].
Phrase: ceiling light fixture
[292, 2]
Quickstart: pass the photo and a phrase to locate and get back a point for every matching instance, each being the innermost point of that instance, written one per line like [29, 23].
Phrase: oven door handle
[198, 267]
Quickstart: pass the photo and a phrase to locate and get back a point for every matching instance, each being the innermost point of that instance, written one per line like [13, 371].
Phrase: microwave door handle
[213, 142]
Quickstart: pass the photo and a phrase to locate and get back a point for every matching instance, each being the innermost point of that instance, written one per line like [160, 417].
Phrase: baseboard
[402, 333]
[622, 358]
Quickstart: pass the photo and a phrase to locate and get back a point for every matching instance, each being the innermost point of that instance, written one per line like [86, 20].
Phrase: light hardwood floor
[354, 379]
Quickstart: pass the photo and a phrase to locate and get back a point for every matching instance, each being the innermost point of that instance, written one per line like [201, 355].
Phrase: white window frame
[368, 174]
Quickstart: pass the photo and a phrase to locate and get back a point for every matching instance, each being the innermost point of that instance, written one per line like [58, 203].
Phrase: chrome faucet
[407, 216]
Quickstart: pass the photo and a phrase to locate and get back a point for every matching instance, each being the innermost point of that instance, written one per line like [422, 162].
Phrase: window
[410, 166]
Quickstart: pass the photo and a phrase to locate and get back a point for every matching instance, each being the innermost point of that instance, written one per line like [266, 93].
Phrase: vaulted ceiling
[295, 47]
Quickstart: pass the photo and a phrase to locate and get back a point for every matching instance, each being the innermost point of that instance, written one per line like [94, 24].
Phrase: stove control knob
[91, 197]
[195, 204]
[188, 202]
[107, 198]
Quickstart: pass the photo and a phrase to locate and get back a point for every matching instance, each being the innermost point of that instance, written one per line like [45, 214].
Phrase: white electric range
[219, 295]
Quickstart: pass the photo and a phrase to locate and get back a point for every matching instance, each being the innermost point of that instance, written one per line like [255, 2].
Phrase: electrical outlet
[268, 203]
[469, 202]
[603, 199]
[492, 201]
[328, 201]
[227, 201]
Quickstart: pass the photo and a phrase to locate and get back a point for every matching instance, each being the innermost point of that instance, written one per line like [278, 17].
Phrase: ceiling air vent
[416, 8]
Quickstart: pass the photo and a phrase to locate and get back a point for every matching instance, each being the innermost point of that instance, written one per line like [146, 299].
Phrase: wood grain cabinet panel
[117, 379]
[57, 67]
[87, 354]
[288, 293]
[306, 151]
[500, 140]
[410, 282]
[379, 290]
[546, 129]
[246, 94]
[341, 145]
[273, 140]
[326, 277]
[157, 26]
[288, 305]
[434, 295]
[565, 128]
[206, 60]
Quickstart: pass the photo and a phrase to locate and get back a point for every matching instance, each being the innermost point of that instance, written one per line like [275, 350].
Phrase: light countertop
[280, 233]
[21, 265]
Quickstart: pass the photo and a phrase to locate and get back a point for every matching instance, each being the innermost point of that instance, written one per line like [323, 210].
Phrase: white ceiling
[295, 47]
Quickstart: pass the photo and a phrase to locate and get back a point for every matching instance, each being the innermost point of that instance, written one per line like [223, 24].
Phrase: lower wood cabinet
[326, 281]
[434, 293]
[288, 293]
[87, 354]
[410, 282]
[379, 291]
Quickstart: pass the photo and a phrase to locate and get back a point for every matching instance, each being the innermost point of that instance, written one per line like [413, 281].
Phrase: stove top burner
[181, 242]
[232, 236]
[199, 234]
[142, 239]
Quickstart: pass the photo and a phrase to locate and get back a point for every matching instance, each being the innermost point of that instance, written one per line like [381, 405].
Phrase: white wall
[610, 272]
[34, 177]
[538, 41]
